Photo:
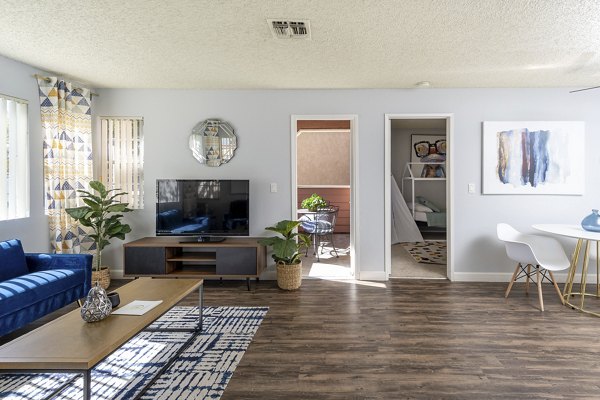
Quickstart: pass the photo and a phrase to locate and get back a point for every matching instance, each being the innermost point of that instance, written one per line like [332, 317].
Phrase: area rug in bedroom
[428, 252]
[202, 371]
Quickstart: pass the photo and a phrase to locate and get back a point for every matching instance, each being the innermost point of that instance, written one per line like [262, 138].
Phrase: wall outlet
[471, 189]
[273, 188]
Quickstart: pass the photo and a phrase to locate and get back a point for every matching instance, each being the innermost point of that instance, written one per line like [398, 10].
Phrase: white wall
[262, 121]
[16, 79]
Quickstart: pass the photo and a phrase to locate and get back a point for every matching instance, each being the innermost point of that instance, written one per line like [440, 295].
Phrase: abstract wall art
[533, 157]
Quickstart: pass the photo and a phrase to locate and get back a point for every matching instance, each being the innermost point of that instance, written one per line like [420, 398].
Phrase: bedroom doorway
[322, 165]
[418, 205]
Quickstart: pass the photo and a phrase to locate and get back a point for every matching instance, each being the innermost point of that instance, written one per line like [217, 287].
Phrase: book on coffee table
[137, 307]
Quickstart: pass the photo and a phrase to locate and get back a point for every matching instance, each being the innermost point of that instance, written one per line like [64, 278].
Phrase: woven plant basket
[102, 276]
[289, 277]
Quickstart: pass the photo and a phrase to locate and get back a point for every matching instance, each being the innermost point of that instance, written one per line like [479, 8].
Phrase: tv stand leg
[248, 283]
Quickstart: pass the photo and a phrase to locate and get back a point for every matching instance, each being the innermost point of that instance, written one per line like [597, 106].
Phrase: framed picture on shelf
[533, 157]
[428, 148]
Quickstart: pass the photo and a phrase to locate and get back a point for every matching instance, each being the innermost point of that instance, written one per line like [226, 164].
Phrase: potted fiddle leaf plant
[314, 202]
[101, 213]
[286, 253]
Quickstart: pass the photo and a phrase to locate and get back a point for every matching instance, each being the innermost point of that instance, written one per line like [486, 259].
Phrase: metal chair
[320, 226]
[540, 252]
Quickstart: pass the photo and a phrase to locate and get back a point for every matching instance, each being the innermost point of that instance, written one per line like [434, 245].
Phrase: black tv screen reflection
[186, 207]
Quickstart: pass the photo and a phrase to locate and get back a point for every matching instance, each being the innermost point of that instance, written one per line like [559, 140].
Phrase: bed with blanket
[429, 216]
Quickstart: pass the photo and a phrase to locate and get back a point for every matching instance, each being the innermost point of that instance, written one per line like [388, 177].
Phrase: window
[14, 159]
[122, 157]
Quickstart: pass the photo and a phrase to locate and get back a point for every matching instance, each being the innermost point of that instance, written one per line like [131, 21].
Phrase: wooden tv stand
[172, 257]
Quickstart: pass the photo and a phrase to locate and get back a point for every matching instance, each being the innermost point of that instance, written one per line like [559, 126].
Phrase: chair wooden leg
[539, 287]
[562, 299]
[527, 279]
[512, 280]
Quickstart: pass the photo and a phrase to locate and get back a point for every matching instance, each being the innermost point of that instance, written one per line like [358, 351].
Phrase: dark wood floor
[412, 340]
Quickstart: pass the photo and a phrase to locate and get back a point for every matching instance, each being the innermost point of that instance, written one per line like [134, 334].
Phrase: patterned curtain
[67, 124]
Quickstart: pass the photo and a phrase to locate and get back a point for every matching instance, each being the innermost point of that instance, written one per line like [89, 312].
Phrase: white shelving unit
[408, 175]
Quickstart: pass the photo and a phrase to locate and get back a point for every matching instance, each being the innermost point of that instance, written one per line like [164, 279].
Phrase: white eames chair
[542, 253]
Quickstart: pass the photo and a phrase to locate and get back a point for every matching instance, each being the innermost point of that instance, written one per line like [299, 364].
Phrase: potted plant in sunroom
[313, 202]
[102, 213]
[286, 253]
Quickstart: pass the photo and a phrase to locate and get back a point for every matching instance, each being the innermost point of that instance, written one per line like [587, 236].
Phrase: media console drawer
[166, 256]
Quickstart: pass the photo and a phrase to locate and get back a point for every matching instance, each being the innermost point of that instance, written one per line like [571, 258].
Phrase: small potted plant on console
[102, 213]
[286, 253]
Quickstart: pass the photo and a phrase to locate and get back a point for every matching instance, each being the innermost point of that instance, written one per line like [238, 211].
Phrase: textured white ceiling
[355, 43]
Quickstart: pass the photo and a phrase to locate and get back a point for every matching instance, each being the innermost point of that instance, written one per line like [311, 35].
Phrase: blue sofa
[33, 285]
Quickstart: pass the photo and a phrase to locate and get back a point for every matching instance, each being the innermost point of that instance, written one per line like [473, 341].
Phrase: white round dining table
[584, 241]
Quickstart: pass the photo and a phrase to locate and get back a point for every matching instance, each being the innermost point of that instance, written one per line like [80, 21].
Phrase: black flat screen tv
[204, 208]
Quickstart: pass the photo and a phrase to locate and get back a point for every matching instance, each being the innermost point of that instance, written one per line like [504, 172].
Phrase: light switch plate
[471, 189]
[273, 188]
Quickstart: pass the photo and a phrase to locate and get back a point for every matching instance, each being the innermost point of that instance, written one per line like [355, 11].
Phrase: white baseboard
[373, 276]
[482, 276]
[505, 277]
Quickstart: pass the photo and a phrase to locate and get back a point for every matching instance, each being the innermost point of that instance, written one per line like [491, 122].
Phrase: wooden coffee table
[68, 344]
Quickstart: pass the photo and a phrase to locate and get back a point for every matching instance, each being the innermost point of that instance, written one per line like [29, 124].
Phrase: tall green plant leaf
[78, 212]
[285, 248]
[285, 228]
[88, 195]
[98, 187]
[94, 205]
[102, 214]
[121, 207]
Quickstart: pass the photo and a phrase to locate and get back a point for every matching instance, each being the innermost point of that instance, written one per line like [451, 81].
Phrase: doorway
[323, 164]
[418, 184]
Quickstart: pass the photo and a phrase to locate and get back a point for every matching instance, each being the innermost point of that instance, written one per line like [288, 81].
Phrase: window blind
[122, 157]
[14, 159]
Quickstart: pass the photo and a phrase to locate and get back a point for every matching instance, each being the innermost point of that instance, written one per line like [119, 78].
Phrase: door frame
[449, 117]
[354, 235]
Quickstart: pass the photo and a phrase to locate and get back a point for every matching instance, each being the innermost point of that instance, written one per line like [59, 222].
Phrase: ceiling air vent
[284, 29]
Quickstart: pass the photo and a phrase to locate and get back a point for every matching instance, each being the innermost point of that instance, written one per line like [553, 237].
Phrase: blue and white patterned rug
[202, 371]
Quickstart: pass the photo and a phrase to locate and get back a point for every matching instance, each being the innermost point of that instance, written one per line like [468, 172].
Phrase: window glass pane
[122, 157]
[14, 159]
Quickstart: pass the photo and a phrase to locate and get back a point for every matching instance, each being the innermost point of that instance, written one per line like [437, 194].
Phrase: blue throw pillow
[12, 260]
